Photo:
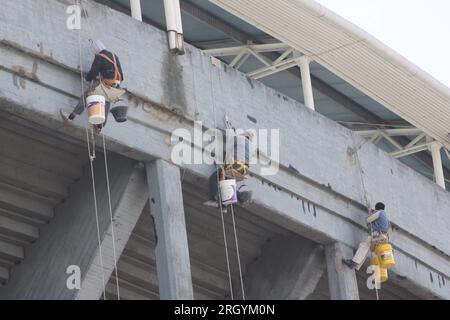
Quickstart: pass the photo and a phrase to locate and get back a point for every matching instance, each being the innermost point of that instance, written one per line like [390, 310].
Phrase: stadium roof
[357, 80]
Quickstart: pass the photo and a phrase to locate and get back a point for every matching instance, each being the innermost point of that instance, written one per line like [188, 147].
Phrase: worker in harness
[244, 197]
[379, 226]
[237, 155]
[105, 76]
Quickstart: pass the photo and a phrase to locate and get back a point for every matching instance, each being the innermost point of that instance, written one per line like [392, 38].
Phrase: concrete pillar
[70, 239]
[435, 149]
[136, 11]
[172, 251]
[126, 214]
[341, 279]
[303, 63]
[288, 269]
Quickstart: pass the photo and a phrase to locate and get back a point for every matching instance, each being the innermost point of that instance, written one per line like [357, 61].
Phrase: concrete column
[136, 11]
[341, 279]
[303, 63]
[435, 149]
[172, 251]
[288, 269]
[126, 214]
[70, 239]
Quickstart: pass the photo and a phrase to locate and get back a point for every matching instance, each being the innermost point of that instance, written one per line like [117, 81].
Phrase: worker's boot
[349, 263]
[65, 117]
[245, 197]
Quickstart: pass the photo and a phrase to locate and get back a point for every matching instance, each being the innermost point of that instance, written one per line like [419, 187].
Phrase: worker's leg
[212, 188]
[362, 253]
[79, 108]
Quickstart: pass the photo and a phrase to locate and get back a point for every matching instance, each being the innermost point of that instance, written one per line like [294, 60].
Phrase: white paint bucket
[96, 109]
[228, 191]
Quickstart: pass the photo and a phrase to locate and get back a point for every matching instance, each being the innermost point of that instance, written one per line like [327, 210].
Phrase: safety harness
[117, 76]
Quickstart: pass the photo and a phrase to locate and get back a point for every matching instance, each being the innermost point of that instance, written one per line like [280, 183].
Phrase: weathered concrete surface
[126, 213]
[37, 77]
[341, 279]
[288, 269]
[172, 250]
[70, 238]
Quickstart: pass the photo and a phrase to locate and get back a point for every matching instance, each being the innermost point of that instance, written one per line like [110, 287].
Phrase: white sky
[417, 29]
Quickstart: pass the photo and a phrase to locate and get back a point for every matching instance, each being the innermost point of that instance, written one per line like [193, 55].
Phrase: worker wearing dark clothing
[103, 67]
[105, 76]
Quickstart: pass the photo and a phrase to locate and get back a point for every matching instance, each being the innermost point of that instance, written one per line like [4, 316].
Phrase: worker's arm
[95, 69]
[373, 217]
[120, 68]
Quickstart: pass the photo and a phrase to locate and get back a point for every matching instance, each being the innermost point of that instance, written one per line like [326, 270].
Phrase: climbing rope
[92, 157]
[237, 252]
[219, 193]
[366, 198]
[111, 217]
[91, 162]
[229, 126]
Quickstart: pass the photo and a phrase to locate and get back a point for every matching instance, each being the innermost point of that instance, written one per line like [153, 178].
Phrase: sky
[417, 29]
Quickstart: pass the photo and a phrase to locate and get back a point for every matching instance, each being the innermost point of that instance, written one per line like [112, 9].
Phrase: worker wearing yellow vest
[379, 226]
[105, 76]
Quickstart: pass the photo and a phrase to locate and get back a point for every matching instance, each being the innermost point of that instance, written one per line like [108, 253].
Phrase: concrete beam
[71, 237]
[179, 91]
[172, 251]
[126, 214]
[341, 279]
[288, 269]
[17, 229]
[4, 275]
[11, 252]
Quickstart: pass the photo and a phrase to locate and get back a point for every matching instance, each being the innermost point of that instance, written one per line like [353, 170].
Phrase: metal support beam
[435, 149]
[259, 48]
[409, 151]
[136, 11]
[341, 279]
[390, 132]
[172, 252]
[308, 95]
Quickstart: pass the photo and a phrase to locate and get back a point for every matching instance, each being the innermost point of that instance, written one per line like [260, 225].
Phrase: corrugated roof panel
[355, 56]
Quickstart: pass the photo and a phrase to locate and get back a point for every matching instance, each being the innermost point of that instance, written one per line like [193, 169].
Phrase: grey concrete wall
[327, 176]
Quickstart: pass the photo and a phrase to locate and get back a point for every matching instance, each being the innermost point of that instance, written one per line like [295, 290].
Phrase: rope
[219, 193]
[111, 217]
[237, 252]
[224, 236]
[92, 157]
[366, 198]
[91, 160]
[229, 126]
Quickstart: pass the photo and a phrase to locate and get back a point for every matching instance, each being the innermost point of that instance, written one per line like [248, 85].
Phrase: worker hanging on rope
[379, 226]
[106, 76]
[226, 177]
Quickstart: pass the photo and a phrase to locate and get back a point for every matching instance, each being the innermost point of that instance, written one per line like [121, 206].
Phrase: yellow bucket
[385, 255]
[96, 109]
[383, 271]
